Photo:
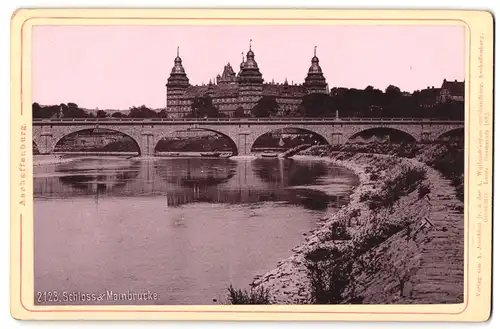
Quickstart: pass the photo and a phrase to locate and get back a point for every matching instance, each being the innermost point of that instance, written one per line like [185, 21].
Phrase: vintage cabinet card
[251, 164]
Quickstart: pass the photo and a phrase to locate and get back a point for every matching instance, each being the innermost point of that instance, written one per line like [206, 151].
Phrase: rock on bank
[399, 241]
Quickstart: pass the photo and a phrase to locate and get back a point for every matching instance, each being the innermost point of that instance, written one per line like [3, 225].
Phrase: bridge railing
[283, 119]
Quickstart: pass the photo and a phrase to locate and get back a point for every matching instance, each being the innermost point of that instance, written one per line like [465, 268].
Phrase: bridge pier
[425, 137]
[147, 144]
[244, 143]
[336, 138]
[44, 143]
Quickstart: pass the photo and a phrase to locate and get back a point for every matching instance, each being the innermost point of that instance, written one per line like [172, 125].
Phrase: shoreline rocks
[402, 253]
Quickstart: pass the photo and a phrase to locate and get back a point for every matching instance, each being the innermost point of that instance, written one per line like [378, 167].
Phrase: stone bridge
[242, 132]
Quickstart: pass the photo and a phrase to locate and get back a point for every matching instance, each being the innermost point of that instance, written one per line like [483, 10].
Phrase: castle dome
[178, 74]
[250, 62]
[249, 70]
[315, 81]
[315, 68]
[178, 68]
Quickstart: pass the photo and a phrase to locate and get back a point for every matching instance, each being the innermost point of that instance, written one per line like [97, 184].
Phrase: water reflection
[193, 180]
[185, 228]
[195, 172]
[281, 172]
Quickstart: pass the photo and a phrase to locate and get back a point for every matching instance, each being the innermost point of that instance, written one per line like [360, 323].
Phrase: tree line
[368, 102]
[72, 110]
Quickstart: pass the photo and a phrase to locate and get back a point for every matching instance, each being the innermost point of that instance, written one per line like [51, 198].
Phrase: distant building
[452, 91]
[230, 91]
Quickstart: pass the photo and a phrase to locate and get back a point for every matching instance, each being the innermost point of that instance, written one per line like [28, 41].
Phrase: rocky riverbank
[399, 240]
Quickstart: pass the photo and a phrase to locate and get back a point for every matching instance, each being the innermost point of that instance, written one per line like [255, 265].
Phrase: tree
[101, 114]
[449, 110]
[73, 111]
[142, 112]
[393, 106]
[163, 114]
[266, 107]
[372, 103]
[392, 89]
[41, 112]
[374, 111]
[202, 107]
[301, 111]
[318, 105]
[50, 111]
[118, 115]
[239, 112]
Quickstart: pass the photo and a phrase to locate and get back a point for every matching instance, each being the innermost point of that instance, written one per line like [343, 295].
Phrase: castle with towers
[230, 91]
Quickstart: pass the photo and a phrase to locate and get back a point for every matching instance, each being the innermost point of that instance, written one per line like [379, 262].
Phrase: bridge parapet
[239, 120]
[243, 132]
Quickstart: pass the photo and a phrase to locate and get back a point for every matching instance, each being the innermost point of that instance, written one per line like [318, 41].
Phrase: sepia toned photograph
[248, 164]
[229, 164]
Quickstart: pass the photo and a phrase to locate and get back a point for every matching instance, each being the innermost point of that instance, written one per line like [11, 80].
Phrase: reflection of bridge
[243, 132]
[182, 181]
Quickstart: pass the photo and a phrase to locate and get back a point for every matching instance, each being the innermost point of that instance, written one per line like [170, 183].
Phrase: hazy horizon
[117, 67]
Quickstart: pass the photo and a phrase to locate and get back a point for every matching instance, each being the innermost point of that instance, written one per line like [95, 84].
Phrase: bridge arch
[232, 144]
[458, 133]
[35, 148]
[286, 139]
[49, 143]
[393, 134]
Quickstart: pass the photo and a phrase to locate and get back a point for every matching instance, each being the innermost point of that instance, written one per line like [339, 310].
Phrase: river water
[183, 228]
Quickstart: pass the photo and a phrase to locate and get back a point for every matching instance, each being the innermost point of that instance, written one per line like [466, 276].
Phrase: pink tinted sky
[115, 67]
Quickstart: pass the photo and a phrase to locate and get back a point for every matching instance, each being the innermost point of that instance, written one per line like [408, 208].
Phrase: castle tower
[315, 81]
[177, 84]
[250, 81]
[250, 73]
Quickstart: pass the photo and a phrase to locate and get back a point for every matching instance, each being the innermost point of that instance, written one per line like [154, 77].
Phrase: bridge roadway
[242, 132]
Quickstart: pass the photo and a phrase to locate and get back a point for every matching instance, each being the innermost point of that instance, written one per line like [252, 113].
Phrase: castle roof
[178, 75]
[250, 73]
[228, 75]
[232, 90]
[214, 91]
[315, 78]
[315, 68]
[271, 89]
